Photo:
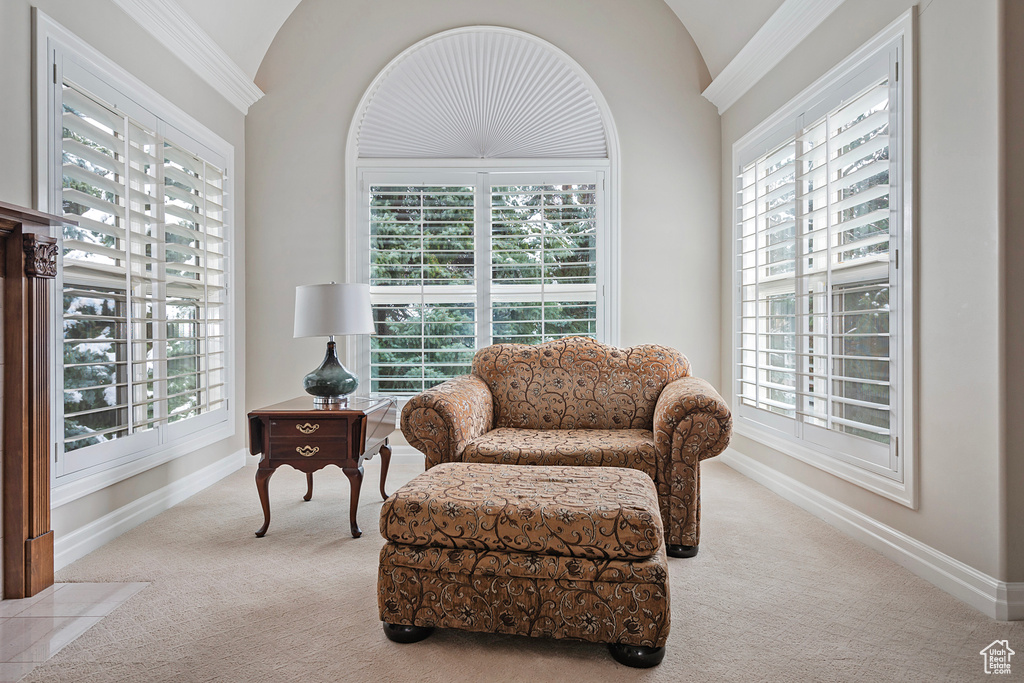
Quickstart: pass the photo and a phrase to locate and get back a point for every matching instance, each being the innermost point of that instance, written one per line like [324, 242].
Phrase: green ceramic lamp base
[331, 383]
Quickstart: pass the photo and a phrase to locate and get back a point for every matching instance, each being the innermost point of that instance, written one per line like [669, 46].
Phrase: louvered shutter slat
[94, 180]
[101, 139]
[74, 196]
[93, 155]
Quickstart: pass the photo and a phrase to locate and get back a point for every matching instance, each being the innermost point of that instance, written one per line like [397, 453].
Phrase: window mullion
[802, 302]
[129, 313]
[829, 321]
[160, 373]
[423, 293]
[482, 226]
[55, 116]
[543, 267]
[203, 373]
[896, 318]
[760, 319]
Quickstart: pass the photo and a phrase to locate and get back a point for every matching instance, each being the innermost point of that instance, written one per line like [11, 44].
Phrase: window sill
[71, 487]
[902, 492]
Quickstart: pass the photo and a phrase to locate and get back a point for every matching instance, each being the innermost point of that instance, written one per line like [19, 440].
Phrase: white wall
[104, 26]
[958, 239]
[321, 63]
[1013, 283]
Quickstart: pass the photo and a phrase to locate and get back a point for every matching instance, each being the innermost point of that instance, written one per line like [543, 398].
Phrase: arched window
[482, 204]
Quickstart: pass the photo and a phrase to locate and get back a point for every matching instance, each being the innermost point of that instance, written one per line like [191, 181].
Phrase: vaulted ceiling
[244, 29]
[721, 28]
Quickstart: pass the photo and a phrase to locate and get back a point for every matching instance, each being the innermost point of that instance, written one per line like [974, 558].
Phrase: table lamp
[326, 311]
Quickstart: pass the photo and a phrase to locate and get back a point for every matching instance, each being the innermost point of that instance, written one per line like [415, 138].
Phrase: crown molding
[177, 30]
[784, 30]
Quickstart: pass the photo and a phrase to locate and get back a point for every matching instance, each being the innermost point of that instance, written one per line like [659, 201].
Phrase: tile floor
[34, 629]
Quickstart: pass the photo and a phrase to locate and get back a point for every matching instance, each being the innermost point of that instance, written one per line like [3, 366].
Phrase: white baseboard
[1010, 595]
[997, 599]
[69, 547]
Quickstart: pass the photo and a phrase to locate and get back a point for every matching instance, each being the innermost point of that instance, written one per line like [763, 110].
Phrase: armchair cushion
[632, 448]
[577, 383]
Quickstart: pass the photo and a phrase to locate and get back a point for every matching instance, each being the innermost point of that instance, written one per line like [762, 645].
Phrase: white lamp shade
[334, 309]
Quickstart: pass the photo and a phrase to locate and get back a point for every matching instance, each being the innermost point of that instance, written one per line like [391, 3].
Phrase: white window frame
[899, 481]
[121, 458]
[462, 171]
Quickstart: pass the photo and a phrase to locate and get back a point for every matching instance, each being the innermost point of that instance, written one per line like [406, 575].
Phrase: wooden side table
[309, 438]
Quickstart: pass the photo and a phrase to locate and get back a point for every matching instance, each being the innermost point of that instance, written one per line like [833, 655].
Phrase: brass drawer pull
[307, 428]
[307, 451]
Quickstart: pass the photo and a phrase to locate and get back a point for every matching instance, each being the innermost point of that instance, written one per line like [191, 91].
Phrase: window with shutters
[145, 301]
[479, 212]
[455, 266]
[823, 307]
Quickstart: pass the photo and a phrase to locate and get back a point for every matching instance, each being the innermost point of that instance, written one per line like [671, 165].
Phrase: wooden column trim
[40, 256]
[30, 266]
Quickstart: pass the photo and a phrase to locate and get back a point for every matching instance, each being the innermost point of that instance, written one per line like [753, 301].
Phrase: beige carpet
[774, 595]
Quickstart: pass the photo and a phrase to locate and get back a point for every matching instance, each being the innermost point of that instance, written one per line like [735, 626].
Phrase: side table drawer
[311, 449]
[308, 429]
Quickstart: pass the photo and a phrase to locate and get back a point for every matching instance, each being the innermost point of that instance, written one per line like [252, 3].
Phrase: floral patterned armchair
[576, 401]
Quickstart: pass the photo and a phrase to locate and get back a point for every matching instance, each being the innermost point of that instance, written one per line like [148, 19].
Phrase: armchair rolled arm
[689, 409]
[442, 420]
[691, 423]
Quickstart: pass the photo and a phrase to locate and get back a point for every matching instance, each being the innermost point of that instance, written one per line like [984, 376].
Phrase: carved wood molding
[40, 256]
[28, 251]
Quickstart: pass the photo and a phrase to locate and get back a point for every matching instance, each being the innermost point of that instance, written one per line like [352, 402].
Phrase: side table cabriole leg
[262, 487]
[309, 486]
[385, 463]
[355, 478]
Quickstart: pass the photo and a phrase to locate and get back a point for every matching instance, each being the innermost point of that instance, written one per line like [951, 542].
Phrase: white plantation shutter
[145, 303]
[97, 261]
[194, 277]
[423, 284]
[543, 261]
[819, 219]
[455, 266]
[518, 130]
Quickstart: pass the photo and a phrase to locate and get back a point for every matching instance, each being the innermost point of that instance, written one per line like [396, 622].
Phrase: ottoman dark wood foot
[555, 552]
[681, 550]
[400, 633]
[637, 656]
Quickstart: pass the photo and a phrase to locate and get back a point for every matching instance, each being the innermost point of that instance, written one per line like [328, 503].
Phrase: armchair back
[577, 383]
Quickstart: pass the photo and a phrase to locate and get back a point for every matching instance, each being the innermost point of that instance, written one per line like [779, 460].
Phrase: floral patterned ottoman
[559, 552]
